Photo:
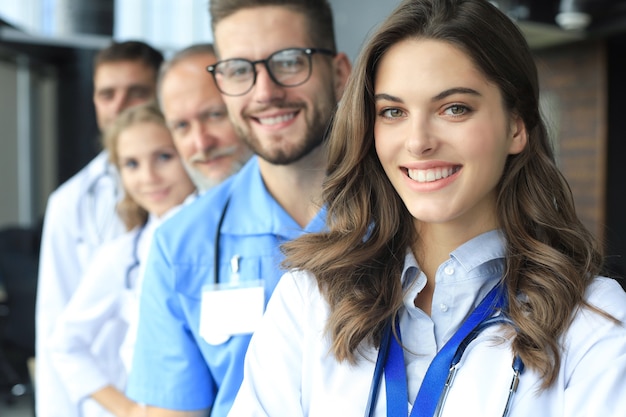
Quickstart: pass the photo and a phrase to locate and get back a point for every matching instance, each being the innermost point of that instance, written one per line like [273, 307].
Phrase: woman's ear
[519, 135]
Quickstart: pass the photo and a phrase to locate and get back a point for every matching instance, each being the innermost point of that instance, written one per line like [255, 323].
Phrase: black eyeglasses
[287, 67]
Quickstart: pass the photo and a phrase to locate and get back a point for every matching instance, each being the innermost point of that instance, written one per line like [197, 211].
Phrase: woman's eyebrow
[455, 90]
[440, 96]
[388, 97]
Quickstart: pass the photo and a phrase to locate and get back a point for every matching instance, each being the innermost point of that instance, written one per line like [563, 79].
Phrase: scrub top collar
[253, 210]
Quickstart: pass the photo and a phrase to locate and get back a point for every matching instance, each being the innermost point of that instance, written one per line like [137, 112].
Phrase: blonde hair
[131, 213]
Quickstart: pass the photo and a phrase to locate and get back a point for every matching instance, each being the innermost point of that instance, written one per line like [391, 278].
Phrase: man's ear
[342, 68]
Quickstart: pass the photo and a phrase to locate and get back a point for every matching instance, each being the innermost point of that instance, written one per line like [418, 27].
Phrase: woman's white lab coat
[290, 370]
[85, 345]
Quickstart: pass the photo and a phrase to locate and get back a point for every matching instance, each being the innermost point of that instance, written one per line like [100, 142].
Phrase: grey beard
[203, 183]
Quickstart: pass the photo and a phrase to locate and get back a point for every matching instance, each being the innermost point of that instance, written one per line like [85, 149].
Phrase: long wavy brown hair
[131, 213]
[551, 257]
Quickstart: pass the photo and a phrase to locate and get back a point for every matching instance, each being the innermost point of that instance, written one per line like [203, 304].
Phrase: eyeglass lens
[288, 68]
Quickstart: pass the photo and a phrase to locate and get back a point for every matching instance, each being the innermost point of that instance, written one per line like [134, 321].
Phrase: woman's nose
[149, 173]
[421, 139]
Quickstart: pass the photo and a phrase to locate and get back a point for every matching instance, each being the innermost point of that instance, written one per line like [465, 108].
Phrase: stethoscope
[216, 251]
[386, 345]
[518, 366]
[133, 268]
[89, 203]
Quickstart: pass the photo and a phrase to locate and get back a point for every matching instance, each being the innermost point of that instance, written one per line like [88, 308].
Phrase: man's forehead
[257, 32]
[179, 111]
[185, 80]
[124, 71]
[186, 73]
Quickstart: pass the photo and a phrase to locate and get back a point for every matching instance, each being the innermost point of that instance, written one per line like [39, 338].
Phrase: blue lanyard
[391, 361]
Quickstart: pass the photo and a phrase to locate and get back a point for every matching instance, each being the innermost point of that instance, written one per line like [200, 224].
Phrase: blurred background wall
[47, 123]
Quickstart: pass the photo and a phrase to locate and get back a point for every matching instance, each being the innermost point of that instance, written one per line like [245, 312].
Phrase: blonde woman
[89, 334]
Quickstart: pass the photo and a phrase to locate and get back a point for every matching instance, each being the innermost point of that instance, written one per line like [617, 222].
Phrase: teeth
[275, 120]
[430, 175]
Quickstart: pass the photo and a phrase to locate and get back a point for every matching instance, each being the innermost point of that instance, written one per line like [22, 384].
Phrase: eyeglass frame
[309, 52]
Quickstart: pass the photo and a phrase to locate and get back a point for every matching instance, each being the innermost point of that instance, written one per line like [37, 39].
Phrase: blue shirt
[173, 366]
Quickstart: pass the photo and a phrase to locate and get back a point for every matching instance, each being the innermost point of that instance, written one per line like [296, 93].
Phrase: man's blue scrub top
[173, 366]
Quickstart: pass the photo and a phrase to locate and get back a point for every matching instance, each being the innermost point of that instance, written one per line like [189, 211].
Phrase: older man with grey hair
[198, 119]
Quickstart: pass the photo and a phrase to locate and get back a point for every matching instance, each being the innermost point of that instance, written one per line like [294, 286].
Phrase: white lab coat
[85, 346]
[290, 371]
[80, 216]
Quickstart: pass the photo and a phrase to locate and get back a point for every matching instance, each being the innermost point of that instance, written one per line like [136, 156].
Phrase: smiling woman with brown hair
[453, 251]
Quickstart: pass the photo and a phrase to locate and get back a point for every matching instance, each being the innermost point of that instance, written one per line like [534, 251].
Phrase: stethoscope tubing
[88, 202]
[135, 254]
[218, 234]
[518, 368]
[378, 371]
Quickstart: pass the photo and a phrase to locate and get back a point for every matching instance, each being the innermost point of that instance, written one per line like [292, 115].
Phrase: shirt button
[443, 307]
[449, 270]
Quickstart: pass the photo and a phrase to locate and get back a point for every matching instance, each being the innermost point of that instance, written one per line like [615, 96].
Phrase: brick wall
[574, 95]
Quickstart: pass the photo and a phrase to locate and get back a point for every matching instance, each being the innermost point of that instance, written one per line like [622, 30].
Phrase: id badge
[230, 309]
